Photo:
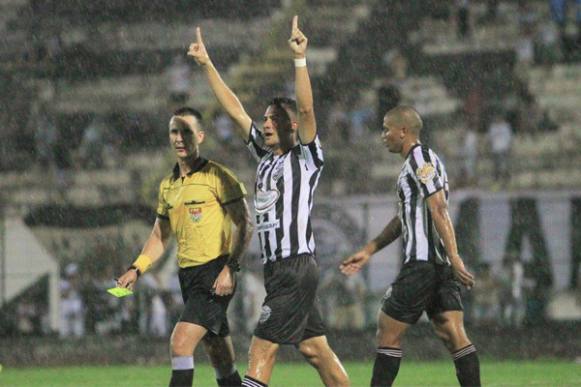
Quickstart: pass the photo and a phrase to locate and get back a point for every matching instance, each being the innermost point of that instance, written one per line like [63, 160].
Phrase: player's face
[185, 136]
[271, 127]
[392, 136]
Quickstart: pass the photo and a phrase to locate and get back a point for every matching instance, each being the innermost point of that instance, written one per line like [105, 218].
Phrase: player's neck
[407, 146]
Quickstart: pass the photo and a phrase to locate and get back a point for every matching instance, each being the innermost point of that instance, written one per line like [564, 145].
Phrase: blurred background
[87, 90]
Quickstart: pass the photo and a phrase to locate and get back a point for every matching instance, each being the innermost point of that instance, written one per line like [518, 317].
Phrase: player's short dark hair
[285, 103]
[188, 111]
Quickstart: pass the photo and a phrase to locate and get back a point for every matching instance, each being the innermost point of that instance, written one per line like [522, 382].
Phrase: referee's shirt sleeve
[313, 153]
[425, 171]
[162, 206]
[255, 143]
[228, 187]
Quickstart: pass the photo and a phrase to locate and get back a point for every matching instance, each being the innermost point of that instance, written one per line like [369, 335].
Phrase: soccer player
[428, 279]
[290, 162]
[203, 205]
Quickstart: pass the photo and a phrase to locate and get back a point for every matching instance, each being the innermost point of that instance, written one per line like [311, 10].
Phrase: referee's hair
[406, 116]
[188, 111]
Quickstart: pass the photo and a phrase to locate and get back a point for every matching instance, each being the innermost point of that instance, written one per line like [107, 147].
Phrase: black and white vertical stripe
[420, 238]
[284, 190]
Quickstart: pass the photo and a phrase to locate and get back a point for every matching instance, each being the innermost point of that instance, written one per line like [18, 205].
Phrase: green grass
[506, 373]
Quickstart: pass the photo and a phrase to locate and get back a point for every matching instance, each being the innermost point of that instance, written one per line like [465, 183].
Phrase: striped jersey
[421, 176]
[283, 197]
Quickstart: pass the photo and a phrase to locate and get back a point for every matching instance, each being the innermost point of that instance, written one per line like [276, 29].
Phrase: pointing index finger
[295, 22]
[199, 34]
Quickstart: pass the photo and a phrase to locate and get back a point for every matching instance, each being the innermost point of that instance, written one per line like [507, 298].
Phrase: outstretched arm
[439, 211]
[151, 252]
[355, 262]
[223, 93]
[307, 123]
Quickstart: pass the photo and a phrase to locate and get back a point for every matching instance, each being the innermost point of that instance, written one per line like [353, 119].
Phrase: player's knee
[181, 345]
[388, 338]
[311, 354]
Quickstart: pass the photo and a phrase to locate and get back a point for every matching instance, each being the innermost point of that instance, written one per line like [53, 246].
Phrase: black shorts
[202, 307]
[289, 312]
[422, 286]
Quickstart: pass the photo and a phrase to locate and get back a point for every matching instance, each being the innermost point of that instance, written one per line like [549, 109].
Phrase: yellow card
[119, 292]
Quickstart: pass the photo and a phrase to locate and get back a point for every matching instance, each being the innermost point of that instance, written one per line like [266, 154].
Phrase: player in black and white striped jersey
[428, 280]
[290, 162]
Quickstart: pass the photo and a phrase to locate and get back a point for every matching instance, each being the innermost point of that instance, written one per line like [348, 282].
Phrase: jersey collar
[198, 164]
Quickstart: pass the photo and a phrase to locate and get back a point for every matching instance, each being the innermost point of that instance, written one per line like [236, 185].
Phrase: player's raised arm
[355, 262]
[223, 93]
[151, 252]
[306, 114]
[439, 211]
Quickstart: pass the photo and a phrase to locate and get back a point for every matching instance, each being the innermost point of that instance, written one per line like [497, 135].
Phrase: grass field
[506, 373]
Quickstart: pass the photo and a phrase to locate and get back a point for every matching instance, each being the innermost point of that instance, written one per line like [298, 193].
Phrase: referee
[290, 162]
[428, 280]
[203, 205]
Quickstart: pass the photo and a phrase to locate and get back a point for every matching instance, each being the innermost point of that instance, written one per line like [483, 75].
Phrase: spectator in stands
[473, 105]
[559, 13]
[93, 143]
[500, 138]
[339, 121]
[527, 17]
[512, 293]
[469, 154]
[43, 126]
[72, 308]
[486, 291]
[179, 81]
[547, 45]
[463, 19]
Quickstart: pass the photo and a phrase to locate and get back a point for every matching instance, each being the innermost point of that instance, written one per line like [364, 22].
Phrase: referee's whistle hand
[224, 284]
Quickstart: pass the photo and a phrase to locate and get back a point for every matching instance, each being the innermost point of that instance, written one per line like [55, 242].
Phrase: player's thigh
[186, 337]
[389, 330]
[449, 326]
[219, 349]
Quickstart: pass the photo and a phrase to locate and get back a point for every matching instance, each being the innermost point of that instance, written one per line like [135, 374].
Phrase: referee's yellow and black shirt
[194, 206]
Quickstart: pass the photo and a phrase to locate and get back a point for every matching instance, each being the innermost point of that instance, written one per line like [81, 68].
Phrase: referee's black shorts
[202, 306]
[289, 313]
[422, 286]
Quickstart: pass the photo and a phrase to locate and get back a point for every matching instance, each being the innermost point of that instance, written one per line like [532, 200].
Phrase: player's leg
[184, 340]
[447, 316]
[319, 354]
[403, 304]
[221, 353]
[261, 359]
[449, 326]
[388, 357]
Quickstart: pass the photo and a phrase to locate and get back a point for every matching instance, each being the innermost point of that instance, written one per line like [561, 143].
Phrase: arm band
[301, 62]
[142, 263]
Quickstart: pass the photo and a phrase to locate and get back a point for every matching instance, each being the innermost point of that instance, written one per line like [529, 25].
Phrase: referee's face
[392, 135]
[185, 136]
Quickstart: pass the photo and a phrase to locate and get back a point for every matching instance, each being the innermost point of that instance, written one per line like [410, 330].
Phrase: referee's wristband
[142, 263]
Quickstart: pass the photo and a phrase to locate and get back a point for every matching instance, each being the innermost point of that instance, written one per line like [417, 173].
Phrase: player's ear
[200, 136]
[294, 126]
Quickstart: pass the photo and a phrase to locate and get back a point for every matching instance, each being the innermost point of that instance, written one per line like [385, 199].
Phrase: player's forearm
[390, 233]
[226, 97]
[445, 230]
[304, 94]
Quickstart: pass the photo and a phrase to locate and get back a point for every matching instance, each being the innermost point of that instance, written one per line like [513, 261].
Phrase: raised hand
[198, 50]
[354, 263]
[298, 41]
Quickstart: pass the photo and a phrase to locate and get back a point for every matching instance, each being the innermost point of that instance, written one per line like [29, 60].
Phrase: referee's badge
[195, 214]
[265, 314]
[426, 172]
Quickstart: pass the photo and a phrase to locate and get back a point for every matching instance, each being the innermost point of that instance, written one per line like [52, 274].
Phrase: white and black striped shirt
[283, 197]
[421, 176]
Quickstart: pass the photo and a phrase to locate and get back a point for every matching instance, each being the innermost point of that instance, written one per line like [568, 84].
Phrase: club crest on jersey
[265, 314]
[277, 173]
[387, 293]
[426, 173]
[195, 214]
[264, 200]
